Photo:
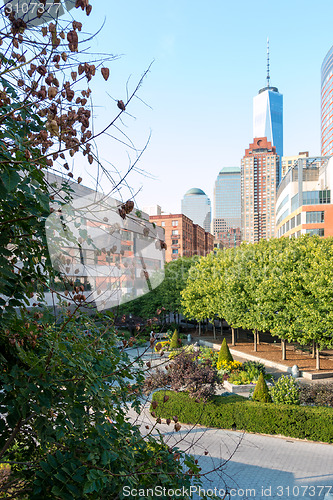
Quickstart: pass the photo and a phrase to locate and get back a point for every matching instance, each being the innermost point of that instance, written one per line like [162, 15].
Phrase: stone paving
[249, 465]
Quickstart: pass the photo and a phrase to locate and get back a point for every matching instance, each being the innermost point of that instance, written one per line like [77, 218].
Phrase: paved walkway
[250, 465]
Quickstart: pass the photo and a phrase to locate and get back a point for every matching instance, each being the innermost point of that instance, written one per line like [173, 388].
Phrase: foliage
[174, 341]
[228, 366]
[249, 365]
[185, 373]
[224, 353]
[286, 390]
[261, 392]
[74, 418]
[236, 412]
[208, 355]
[319, 394]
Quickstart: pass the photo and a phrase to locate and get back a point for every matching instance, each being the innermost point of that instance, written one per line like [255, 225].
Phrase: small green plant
[286, 390]
[224, 353]
[261, 392]
[239, 377]
[248, 366]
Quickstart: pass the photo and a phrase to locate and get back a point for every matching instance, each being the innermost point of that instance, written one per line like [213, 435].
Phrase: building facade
[196, 205]
[327, 104]
[288, 162]
[304, 199]
[259, 178]
[183, 238]
[227, 206]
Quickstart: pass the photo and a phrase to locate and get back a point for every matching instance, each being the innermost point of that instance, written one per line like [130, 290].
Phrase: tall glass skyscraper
[327, 104]
[268, 115]
[227, 206]
[196, 205]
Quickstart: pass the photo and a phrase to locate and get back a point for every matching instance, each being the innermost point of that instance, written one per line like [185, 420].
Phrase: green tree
[66, 388]
[261, 392]
[224, 353]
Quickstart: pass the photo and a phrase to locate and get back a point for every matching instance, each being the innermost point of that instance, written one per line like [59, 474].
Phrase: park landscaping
[188, 388]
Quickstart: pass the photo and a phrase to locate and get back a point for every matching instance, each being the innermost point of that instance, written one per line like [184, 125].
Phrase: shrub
[248, 366]
[224, 353]
[239, 377]
[286, 390]
[261, 392]
[175, 341]
[185, 373]
[237, 412]
[317, 394]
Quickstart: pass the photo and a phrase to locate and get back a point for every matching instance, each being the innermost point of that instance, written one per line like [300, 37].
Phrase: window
[175, 242]
[299, 221]
[175, 222]
[314, 217]
[292, 223]
[175, 250]
[319, 231]
[163, 223]
[174, 232]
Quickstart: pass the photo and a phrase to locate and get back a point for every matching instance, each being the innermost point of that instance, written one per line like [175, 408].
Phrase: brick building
[183, 238]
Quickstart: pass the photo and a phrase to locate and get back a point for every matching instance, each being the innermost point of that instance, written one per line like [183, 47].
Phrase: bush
[317, 394]
[237, 412]
[249, 366]
[224, 353]
[185, 373]
[175, 341]
[286, 390]
[261, 392]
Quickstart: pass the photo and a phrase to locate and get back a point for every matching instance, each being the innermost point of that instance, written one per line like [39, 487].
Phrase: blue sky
[209, 62]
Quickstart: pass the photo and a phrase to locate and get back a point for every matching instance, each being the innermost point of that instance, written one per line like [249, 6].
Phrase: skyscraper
[196, 205]
[327, 104]
[227, 206]
[268, 114]
[260, 167]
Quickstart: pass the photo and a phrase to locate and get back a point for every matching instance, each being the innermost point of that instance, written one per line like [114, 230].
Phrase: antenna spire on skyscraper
[268, 78]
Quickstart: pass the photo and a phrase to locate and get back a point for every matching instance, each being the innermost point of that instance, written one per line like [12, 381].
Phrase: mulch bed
[272, 352]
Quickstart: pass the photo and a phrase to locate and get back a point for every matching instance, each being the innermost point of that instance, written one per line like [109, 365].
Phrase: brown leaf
[177, 427]
[168, 421]
[74, 75]
[154, 404]
[88, 9]
[106, 73]
[52, 92]
[79, 180]
[165, 399]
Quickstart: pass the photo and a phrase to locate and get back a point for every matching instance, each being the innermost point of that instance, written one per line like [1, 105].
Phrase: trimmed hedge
[237, 412]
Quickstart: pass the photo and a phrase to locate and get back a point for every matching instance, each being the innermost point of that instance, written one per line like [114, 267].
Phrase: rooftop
[195, 191]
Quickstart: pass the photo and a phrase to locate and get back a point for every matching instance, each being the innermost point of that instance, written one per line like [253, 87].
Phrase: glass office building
[227, 206]
[196, 205]
[268, 118]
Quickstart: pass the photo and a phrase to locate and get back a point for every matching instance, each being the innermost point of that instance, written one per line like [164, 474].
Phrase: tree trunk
[214, 330]
[313, 349]
[258, 338]
[232, 336]
[283, 346]
[255, 340]
[221, 321]
[317, 357]
[199, 328]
